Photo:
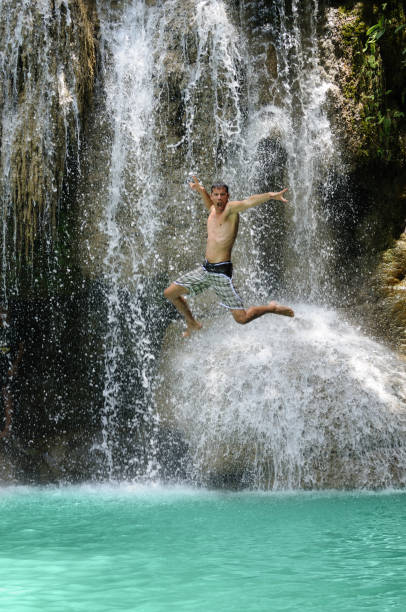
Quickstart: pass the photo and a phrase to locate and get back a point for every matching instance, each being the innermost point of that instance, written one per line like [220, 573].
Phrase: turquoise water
[128, 547]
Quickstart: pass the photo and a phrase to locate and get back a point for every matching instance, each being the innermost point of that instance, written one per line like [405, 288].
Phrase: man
[216, 272]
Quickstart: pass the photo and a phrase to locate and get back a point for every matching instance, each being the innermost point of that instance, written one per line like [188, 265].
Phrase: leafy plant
[374, 33]
[379, 114]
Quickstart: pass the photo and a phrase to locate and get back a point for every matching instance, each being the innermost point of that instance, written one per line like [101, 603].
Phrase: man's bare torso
[222, 231]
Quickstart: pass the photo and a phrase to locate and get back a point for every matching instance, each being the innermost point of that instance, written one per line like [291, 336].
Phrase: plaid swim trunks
[200, 279]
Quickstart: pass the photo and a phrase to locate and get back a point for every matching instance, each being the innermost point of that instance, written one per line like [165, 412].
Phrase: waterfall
[148, 210]
[231, 91]
[300, 92]
[40, 135]
[303, 403]
[296, 403]
[288, 140]
[130, 225]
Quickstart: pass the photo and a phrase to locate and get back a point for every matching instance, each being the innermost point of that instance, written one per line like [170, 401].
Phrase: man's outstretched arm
[255, 200]
[197, 186]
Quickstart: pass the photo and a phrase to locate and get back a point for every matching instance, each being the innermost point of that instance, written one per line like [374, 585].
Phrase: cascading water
[304, 402]
[47, 62]
[299, 106]
[137, 53]
[232, 91]
[307, 403]
[130, 225]
[288, 142]
[40, 134]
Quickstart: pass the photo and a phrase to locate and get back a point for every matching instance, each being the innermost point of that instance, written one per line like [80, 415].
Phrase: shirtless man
[216, 271]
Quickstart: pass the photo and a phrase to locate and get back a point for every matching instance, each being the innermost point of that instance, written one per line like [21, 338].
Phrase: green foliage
[375, 36]
[374, 33]
[377, 111]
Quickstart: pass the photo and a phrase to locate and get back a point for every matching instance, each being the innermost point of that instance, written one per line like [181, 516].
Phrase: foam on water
[157, 492]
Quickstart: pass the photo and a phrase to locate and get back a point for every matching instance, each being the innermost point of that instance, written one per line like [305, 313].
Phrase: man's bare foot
[281, 310]
[192, 327]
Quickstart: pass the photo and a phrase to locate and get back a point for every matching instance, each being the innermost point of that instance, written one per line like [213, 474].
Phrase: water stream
[302, 403]
[129, 224]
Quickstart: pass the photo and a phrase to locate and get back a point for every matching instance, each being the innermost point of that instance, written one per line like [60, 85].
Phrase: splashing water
[288, 403]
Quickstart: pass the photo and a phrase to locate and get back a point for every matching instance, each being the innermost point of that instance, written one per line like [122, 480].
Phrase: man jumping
[216, 271]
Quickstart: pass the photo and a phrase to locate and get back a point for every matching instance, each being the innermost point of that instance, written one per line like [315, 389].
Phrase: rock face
[391, 293]
[362, 47]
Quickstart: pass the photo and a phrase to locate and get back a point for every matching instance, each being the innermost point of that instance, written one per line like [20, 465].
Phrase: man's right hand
[196, 184]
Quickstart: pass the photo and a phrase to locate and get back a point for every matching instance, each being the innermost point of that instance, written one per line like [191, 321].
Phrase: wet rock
[366, 102]
[390, 287]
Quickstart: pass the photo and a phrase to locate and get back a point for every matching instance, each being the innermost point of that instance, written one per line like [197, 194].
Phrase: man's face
[219, 197]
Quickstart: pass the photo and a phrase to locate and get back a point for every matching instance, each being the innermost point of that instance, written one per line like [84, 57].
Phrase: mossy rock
[390, 282]
[370, 74]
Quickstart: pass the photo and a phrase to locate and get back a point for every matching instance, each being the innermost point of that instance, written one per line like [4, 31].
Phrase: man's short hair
[218, 186]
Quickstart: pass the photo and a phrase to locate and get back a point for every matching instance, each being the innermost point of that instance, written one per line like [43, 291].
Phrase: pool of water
[153, 548]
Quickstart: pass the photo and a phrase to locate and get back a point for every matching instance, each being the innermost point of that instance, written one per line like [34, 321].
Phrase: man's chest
[220, 227]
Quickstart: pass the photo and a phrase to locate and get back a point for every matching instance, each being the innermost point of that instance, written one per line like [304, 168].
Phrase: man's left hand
[278, 195]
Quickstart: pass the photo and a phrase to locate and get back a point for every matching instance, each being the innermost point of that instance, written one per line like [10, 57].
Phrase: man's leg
[246, 316]
[174, 293]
